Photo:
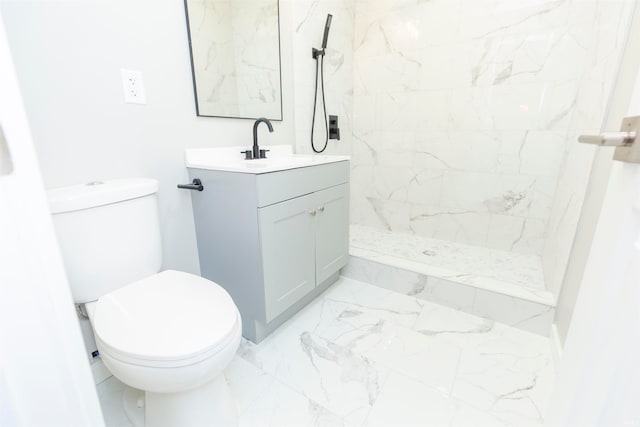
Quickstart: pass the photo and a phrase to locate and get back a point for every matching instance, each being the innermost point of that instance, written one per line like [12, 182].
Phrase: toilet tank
[108, 232]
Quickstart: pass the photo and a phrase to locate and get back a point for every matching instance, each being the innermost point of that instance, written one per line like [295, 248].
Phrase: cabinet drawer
[284, 185]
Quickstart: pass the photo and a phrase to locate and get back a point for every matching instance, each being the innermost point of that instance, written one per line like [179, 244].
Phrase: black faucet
[256, 152]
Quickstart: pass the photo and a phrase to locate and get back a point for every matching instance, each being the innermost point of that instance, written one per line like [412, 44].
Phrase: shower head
[327, 25]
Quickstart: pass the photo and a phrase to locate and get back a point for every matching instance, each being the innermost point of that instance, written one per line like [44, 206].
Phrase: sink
[285, 162]
[280, 157]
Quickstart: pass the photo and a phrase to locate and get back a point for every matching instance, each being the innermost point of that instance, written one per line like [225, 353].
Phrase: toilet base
[208, 405]
[133, 404]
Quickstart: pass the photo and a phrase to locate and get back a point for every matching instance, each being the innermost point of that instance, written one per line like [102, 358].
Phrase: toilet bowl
[167, 335]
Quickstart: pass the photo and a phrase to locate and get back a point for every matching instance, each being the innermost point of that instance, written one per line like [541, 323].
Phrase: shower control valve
[334, 129]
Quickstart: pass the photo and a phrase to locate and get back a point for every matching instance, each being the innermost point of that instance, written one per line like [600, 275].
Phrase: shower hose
[320, 66]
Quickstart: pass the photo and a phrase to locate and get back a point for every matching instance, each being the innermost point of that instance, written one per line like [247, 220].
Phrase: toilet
[167, 335]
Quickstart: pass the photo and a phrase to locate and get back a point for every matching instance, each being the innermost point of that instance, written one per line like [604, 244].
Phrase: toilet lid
[169, 316]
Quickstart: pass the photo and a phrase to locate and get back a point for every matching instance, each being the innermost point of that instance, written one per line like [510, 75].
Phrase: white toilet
[167, 335]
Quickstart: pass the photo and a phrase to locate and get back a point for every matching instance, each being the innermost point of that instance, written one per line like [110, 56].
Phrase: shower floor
[504, 286]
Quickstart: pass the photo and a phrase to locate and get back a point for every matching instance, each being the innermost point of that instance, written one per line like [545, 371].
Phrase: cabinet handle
[312, 213]
[321, 209]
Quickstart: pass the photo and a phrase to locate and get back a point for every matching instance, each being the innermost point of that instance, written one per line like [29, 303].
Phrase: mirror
[235, 57]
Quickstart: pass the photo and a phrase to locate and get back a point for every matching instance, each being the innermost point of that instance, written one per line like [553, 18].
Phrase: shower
[466, 172]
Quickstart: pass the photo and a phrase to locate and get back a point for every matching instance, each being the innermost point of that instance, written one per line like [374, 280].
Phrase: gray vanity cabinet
[304, 241]
[274, 241]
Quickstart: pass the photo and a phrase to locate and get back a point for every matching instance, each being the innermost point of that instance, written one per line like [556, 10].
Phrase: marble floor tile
[360, 355]
[343, 381]
[332, 374]
[507, 375]
[453, 326]
[385, 304]
[508, 273]
[248, 383]
[110, 396]
[398, 348]
[281, 406]
[469, 416]
[506, 266]
[406, 402]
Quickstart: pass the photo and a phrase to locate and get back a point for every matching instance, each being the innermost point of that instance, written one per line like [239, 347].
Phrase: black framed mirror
[235, 57]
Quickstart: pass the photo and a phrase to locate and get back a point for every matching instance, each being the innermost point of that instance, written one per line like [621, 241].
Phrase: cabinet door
[332, 231]
[287, 234]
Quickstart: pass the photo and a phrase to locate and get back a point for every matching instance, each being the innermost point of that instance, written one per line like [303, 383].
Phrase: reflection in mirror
[235, 57]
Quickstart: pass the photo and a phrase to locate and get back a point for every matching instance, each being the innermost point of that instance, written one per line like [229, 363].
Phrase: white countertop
[230, 159]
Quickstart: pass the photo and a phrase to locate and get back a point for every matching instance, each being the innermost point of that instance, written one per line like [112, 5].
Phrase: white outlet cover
[133, 86]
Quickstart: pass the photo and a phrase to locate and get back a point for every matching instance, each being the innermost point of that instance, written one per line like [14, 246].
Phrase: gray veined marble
[462, 113]
[501, 286]
[353, 367]
[448, 260]
[361, 355]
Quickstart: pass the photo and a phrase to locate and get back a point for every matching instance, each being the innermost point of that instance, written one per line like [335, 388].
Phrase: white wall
[68, 55]
[598, 383]
[44, 378]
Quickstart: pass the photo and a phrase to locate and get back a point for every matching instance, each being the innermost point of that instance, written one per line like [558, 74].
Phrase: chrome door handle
[609, 139]
[627, 149]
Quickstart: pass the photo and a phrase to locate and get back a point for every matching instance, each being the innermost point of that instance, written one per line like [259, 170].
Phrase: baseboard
[99, 371]
[556, 347]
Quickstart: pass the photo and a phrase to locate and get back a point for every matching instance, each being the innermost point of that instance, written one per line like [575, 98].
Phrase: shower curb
[517, 312]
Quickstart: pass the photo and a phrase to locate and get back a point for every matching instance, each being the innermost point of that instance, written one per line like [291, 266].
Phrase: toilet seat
[169, 319]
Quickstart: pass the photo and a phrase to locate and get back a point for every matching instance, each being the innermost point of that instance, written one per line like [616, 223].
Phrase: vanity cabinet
[304, 241]
[274, 241]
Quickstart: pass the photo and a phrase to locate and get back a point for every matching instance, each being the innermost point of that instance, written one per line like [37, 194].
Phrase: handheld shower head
[318, 56]
[327, 25]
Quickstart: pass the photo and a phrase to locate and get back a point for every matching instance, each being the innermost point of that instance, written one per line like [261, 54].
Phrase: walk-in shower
[467, 180]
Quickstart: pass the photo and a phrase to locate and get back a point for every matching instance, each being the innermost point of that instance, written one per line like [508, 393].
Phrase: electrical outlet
[133, 87]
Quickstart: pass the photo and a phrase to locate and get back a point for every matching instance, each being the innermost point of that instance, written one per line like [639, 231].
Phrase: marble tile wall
[309, 18]
[610, 21]
[462, 110]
